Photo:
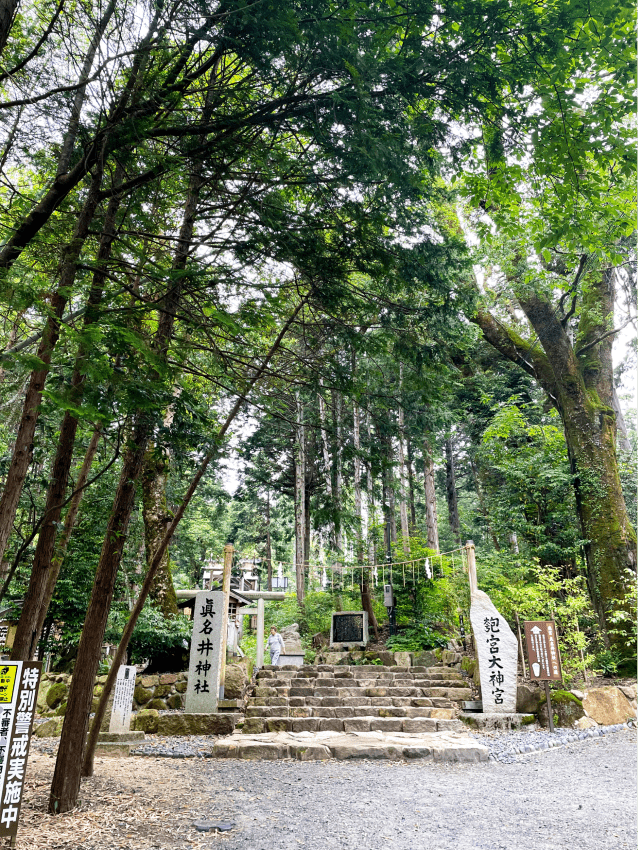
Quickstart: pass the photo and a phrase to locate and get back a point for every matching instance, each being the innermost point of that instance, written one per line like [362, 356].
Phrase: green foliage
[536, 592]
[419, 600]
[623, 618]
[528, 482]
[607, 662]
[415, 637]
[163, 642]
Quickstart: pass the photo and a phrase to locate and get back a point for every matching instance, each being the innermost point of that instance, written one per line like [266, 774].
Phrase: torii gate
[260, 596]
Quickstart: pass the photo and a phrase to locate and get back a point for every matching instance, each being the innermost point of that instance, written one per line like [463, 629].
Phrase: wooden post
[228, 563]
[260, 633]
[520, 644]
[471, 566]
[582, 657]
[550, 711]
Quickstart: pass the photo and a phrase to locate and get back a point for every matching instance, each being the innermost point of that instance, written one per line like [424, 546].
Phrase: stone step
[344, 684]
[357, 677]
[332, 701]
[430, 746]
[258, 725]
[455, 693]
[120, 737]
[351, 711]
[357, 672]
[114, 749]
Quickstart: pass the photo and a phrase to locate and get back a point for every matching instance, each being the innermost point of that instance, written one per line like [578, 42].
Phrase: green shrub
[416, 637]
[607, 662]
[163, 642]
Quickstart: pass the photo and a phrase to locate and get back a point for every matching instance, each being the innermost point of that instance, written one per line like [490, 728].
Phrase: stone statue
[292, 639]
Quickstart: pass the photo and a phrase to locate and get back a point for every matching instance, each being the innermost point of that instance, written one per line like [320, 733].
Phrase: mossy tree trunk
[450, 491]
[157, 518]
[578, 379]
[430, 497]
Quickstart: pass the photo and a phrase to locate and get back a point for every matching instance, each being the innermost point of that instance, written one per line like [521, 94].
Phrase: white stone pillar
[207, 644]
[260, 632]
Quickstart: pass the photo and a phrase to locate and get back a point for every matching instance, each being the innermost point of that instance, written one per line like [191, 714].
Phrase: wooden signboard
[18, 692]
[541, 640]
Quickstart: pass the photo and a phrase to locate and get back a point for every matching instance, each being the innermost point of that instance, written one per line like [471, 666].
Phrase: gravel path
[580, 796]
[507, 746]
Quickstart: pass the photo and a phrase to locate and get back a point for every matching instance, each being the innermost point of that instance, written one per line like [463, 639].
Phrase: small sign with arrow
[541, 640]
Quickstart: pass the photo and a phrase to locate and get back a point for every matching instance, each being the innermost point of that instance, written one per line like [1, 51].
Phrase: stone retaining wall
[160, 692]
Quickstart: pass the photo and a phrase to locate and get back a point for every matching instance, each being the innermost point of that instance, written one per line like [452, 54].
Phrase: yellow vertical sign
[7, 681]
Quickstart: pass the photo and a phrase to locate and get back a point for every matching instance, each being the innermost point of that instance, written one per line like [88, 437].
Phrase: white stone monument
[123, 699]
[207, 645]
[496, 647]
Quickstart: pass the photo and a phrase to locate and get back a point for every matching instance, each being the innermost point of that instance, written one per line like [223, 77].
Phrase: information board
[543, 654]
[123, 699]
[349, 628]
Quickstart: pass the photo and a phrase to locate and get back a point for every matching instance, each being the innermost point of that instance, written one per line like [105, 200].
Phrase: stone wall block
[142, 695]
[608, 706]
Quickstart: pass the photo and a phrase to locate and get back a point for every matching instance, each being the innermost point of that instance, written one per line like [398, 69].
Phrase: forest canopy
[377, 254]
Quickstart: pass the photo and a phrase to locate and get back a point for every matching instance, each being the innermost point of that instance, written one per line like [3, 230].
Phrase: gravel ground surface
[577, 796]
[580, 796]
[506, 747]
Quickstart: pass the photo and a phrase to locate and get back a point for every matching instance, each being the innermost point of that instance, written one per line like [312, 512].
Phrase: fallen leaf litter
[129, 804]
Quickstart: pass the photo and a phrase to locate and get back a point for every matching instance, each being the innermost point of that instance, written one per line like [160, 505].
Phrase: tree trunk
[372, 511]
[60, 550]
[579, 381]
[307, 536]
[337, 410]
[387, 483]
[66, 778]
[410, 466]
[366, 601]
[68, 144]
[7, 13]
[403, 503]
[450, 490]
[430, 498]
[23, 449]
[157, 518]
[482, 504]
[41, 586]
[327, 464]
[300, 502]
[268, 544]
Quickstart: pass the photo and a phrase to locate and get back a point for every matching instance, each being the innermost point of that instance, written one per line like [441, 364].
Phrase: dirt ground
[129, 804]
[581, 795]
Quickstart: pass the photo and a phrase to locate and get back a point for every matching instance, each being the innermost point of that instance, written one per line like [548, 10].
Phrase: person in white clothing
[275, 645]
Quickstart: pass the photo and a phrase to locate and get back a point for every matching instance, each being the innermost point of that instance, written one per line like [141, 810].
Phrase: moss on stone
[562, 698]
[56, 694]
[147, 720]
[142, 695]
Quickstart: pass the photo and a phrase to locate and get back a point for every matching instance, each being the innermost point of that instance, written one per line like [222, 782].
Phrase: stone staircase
[361, 698]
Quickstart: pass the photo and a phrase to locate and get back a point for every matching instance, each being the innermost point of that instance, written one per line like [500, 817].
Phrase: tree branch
[601, 338]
